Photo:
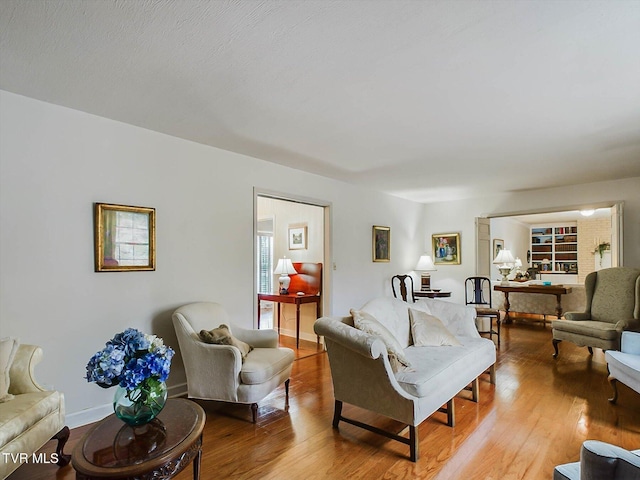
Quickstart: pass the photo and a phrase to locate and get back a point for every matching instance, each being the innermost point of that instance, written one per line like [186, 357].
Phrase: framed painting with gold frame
[381, 244]
[124, 238]
[446, 248]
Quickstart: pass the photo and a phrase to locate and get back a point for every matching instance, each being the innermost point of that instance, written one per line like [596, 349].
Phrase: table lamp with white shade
[505, 262]
[425, 265]
[284, 268]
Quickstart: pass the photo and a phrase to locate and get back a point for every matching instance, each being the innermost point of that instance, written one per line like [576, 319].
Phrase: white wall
[460, 216]
[517, 239]
[56, 162]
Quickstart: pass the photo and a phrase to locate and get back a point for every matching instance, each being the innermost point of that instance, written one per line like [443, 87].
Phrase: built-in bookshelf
[554, 248]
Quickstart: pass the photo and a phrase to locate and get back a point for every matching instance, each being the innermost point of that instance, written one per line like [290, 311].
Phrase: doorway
[297, 230]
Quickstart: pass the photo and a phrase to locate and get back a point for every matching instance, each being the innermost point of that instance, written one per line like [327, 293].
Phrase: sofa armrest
[577, 315]
[22, 370]
[602, 460]
[631, 343]
[256, 338]
[349, 337]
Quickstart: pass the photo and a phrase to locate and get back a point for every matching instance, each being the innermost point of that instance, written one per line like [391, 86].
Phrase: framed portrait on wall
[446, 248]
[498, 244]
[298, 236]
[381, 244]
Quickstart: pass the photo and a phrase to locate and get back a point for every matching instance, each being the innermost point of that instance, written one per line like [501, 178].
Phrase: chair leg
[286, 392]
[498, 322]
[492, 374]
[451, 414]
[614, 385]
[337, 413]
[555, 347]
[62, 436]
[590, 350]
[254, 412]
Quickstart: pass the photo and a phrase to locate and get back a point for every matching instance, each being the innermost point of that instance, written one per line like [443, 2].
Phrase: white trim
[95, 414]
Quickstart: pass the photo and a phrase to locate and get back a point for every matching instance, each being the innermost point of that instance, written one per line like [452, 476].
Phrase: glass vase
[142, 404]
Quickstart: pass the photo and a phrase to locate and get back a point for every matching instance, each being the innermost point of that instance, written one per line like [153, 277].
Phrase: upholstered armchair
[599, 460]
[612, 305]
[624, 365]
[218, 372]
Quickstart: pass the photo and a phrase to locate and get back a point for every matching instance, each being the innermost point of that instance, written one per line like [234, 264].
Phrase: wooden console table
[557, 290]
[293, 299]
[159, 449]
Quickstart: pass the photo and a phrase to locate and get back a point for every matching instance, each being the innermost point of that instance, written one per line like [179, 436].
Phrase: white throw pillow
[367, 323]
[429, 331]
[8, 349]
[459, 319]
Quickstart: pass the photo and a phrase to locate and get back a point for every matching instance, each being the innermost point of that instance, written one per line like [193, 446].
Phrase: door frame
[327, 278]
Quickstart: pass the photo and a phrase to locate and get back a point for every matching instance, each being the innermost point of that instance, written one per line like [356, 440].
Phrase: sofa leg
[337, 413]
[62, 436]
[413, 443]
[254, 412]
[590, 350]
[555, 347]
[475, 392]
[492, 374]
[614, 385]
[451, 414]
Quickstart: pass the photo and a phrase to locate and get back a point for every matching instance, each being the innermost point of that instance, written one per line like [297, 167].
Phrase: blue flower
[130, 359]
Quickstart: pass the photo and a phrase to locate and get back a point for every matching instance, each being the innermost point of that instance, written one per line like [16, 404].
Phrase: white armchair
[217, 372]
[624, 365]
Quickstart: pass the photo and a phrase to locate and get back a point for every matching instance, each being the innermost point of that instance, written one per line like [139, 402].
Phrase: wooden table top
[550, 289]
[113, 449]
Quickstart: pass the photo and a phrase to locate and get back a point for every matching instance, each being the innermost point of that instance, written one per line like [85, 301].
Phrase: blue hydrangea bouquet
[138, 364]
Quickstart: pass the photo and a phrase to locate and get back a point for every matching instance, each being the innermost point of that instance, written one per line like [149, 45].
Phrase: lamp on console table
[505, 262]
[425, 265]
[284, 268]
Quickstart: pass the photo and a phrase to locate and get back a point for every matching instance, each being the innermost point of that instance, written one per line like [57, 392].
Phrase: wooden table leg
[506, 308]
[278, 318]
[297, 325]
[258, 314]
[559, 306]
[196, 462]
[318, 316]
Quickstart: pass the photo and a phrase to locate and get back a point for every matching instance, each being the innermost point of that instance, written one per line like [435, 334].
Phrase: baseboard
[303, 336]
[95, 414]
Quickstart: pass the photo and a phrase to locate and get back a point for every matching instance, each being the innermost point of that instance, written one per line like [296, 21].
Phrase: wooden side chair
[477, 292]
[403, 282]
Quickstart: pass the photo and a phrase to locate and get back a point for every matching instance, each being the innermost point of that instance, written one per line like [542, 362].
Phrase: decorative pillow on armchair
[222, 336]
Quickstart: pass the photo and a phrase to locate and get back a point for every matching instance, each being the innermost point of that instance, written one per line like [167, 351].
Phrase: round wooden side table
[157, 450]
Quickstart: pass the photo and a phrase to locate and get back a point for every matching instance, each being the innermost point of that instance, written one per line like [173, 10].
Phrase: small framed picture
[381, 244]
[125, 238]
[498, 244]
[446, 248]
[298, 237]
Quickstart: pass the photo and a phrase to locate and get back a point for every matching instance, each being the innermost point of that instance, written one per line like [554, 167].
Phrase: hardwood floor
[536, 417]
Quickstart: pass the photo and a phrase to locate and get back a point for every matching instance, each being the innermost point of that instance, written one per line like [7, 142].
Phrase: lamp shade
[425, 264]
[285, 267]
[504, 257]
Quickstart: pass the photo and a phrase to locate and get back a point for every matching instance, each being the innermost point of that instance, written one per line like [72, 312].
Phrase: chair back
[404, 282]
[199, 316]
[477, 291]
[613, 294]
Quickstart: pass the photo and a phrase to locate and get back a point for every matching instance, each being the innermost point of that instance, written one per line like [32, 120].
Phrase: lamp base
[504, 271]
[284, 281]
[425, 282]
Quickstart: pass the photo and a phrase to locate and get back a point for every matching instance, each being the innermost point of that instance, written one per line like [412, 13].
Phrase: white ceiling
[428, 100]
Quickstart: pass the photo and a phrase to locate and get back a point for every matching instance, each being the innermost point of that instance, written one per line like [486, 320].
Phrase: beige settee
[436, 367]
[30, 416]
